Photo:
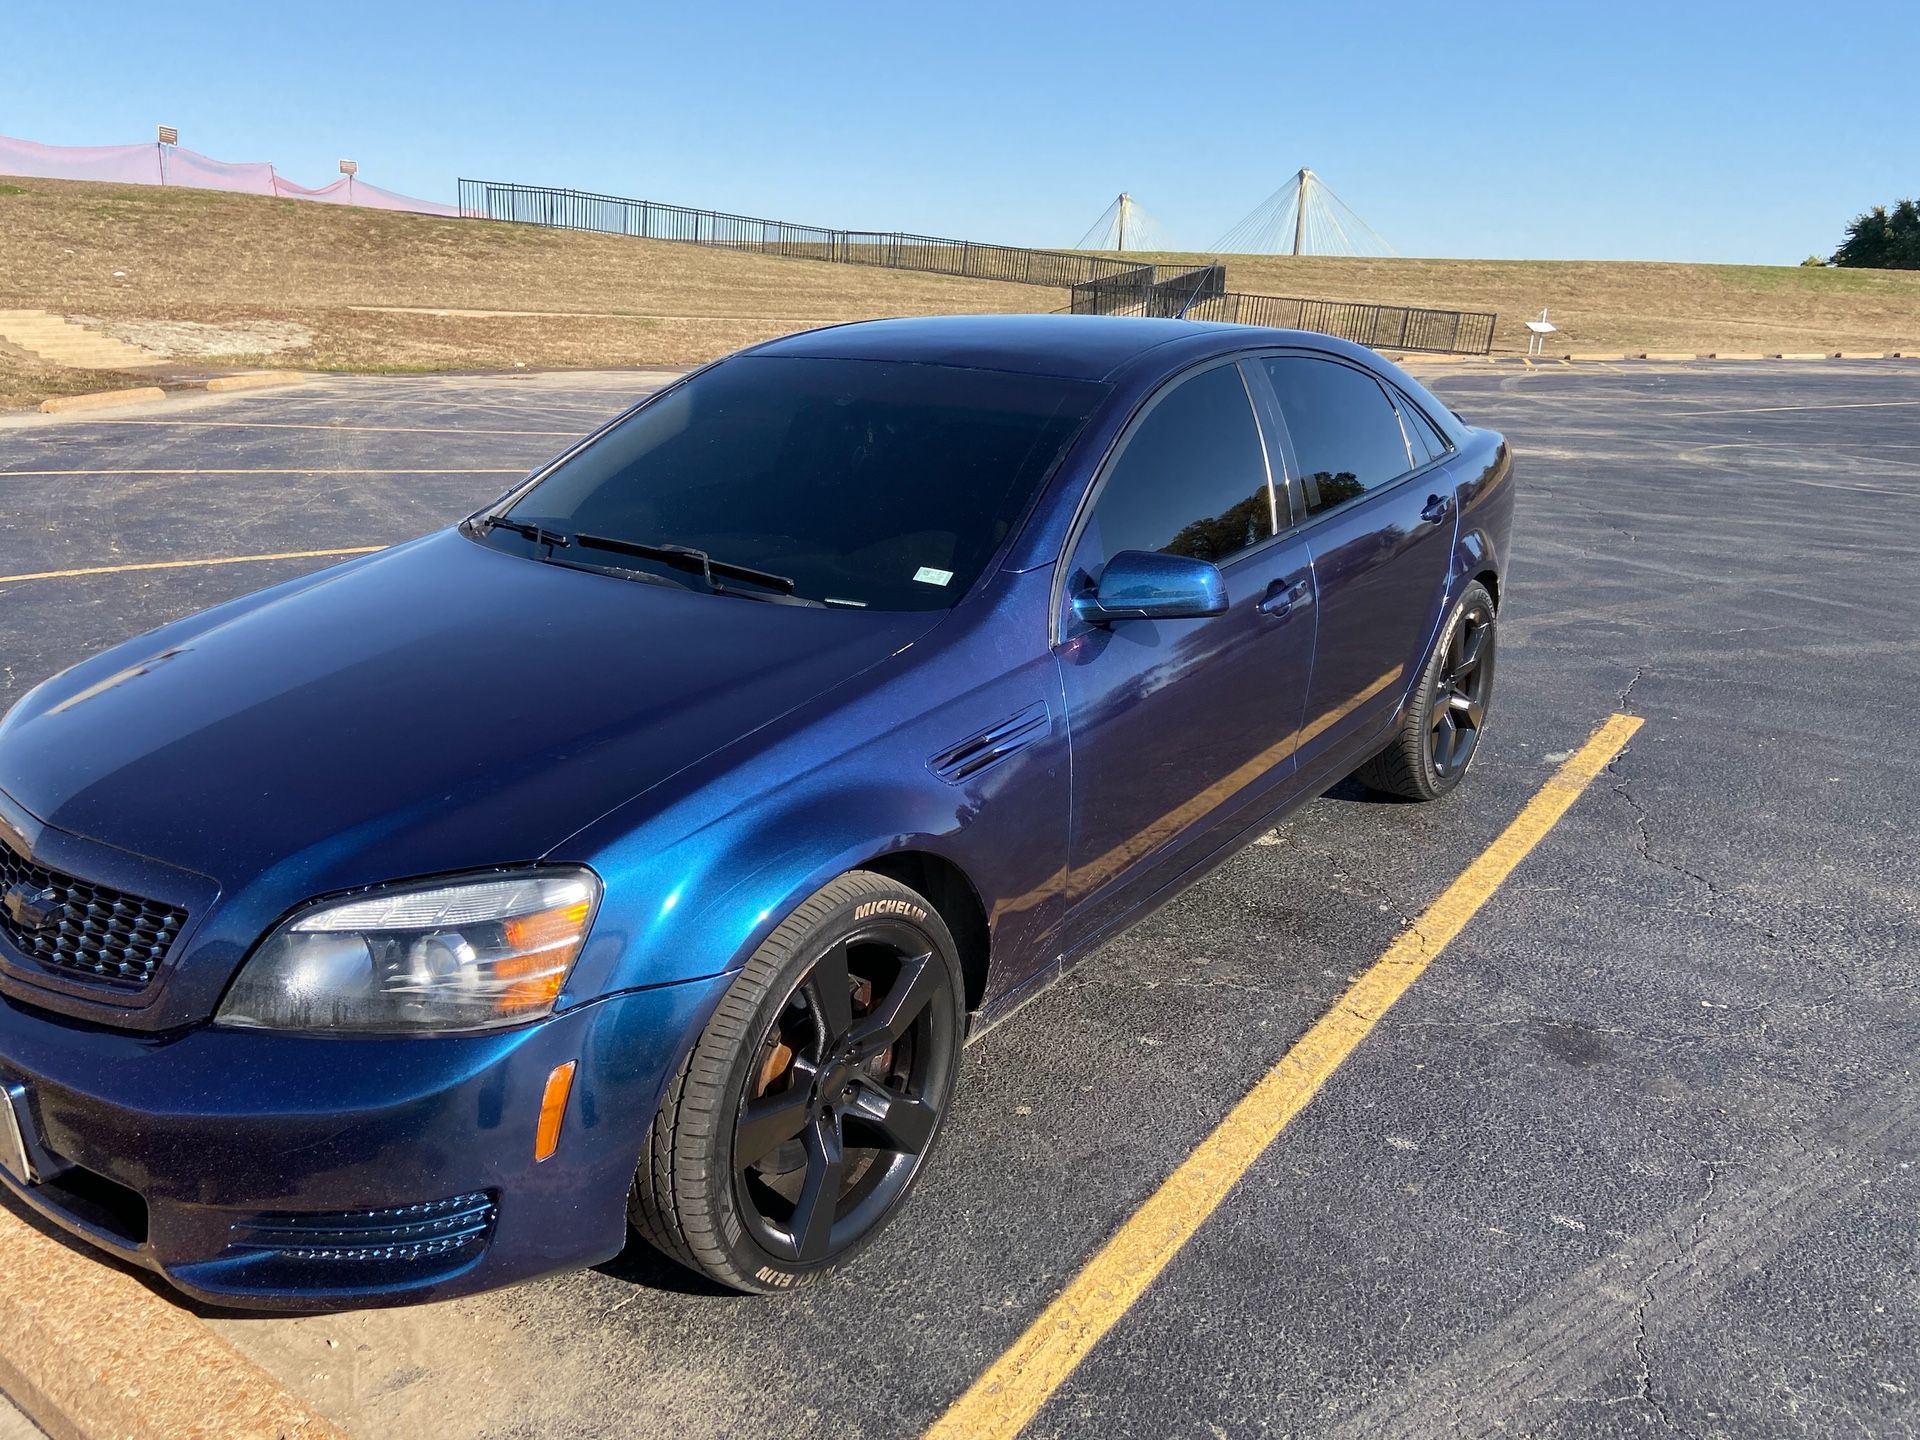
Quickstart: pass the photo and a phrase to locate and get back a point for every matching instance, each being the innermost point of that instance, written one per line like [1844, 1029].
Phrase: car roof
[1076, 347]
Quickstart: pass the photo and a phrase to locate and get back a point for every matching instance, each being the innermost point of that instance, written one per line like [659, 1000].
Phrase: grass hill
[213, 279]
[1618, 305]
[231, 279]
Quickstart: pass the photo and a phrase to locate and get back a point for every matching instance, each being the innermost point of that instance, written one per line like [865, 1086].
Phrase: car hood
[438, 706]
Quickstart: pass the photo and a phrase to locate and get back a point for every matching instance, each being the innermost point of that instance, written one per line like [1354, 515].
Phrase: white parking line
[357, 429]
[1781, 409]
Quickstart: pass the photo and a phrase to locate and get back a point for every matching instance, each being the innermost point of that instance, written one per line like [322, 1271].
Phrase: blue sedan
[639, 853]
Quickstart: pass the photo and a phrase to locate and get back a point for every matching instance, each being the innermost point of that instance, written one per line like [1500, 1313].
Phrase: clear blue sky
[1683, 130]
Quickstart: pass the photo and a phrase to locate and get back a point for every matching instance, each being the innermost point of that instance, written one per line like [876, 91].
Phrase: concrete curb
[256, 380]
[102, 399]
[88, 1352]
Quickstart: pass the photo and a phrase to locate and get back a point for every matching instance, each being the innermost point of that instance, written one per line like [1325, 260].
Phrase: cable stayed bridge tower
[1302, 217]
[1124, 225]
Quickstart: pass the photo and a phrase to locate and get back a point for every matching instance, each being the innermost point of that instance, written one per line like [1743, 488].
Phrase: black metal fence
[892, 249]
[1099, 286]
[1150, 290]
[1383, 327]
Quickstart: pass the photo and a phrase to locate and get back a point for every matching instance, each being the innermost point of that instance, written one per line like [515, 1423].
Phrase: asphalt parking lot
[1635, 1156]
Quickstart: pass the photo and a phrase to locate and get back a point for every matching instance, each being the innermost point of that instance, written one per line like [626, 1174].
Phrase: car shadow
[1352, 790]
[94, 1254]
[640, 1264]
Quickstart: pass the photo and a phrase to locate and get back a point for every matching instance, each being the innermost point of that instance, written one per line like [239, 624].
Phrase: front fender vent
[988, 747]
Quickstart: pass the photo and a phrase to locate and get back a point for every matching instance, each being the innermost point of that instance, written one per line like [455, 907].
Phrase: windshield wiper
[696, 562]
[679, 557]
[537, 533]
[609, 567]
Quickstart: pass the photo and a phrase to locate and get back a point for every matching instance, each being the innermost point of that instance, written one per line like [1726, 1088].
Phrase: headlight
[468, 955]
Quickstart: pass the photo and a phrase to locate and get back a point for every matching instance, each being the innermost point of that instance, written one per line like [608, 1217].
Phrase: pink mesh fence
[171, 165]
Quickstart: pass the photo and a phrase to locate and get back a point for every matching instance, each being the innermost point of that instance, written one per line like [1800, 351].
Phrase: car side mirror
[1149, 585]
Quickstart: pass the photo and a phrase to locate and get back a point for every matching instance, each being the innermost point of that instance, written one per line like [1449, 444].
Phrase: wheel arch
[1475, 557]
[702, 904]
[953, 894]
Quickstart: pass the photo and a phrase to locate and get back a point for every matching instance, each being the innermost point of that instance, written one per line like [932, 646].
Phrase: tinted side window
[1193, 477]
[1420, 432]
[1346, 437]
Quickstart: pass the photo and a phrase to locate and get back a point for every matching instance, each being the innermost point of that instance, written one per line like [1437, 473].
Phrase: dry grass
[360, 281]
[25, 382]
[381, 291]
[1618, 305]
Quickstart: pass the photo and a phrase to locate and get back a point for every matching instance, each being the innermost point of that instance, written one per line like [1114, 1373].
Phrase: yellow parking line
[265, 470]
[1002, 1401]
[191, 564]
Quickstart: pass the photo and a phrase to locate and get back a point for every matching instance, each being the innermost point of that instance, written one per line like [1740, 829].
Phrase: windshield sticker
[927, 575]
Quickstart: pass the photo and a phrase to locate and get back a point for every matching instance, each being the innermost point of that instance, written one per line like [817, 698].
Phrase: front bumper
[298, 1172]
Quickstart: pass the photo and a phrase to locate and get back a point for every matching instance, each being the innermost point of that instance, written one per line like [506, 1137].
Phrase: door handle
[1284, 596]
[1435, 510]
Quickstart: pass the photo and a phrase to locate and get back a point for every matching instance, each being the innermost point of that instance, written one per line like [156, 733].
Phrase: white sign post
[1537, 332]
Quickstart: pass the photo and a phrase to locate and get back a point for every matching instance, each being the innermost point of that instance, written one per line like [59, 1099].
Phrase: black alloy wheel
[1446, 715]
[843, 1115]
[811, 1101]
[1459, 708]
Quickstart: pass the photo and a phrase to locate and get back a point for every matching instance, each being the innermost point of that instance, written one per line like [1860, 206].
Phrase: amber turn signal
[553, 1108]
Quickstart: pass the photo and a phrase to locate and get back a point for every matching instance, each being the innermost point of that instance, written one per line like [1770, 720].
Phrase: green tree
[1883, 239]
[1225, 534]
[1905, 228]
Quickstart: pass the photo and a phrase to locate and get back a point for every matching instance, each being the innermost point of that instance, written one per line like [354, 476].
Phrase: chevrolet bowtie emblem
[30, 907]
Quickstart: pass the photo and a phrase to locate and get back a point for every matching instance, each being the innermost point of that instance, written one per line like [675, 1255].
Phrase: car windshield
[865, 483]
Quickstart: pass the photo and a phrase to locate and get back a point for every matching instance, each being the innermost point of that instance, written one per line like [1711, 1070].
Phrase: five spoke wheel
[802, 1117]
[1460, 693]
[1446, 715]
[840, 1109]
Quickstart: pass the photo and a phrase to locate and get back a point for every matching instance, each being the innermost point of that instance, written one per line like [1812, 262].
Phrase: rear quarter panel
[1484, 483]
[1482, 473]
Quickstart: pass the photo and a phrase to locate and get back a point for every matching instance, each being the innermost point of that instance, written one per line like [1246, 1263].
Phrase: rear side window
[1346, 437]
[1425, 441]
[1192, 479]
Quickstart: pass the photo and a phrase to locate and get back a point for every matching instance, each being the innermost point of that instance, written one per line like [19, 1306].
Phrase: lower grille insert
[437, 1229]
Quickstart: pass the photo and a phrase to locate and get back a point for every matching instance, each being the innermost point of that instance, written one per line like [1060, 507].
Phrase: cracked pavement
[1635, 1157]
